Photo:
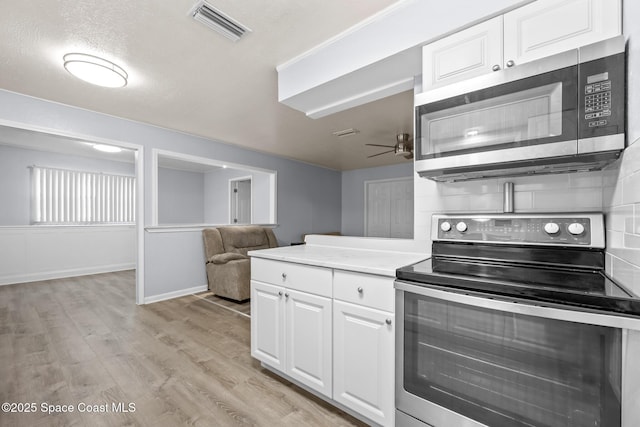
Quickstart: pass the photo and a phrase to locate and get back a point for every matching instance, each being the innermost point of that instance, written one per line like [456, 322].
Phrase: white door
[364, 361]
[378, 209]
[468, 53]
[389, 208]
[267, 324]
[546, 27]
[308, 337]
[240, 202]
[401, 212]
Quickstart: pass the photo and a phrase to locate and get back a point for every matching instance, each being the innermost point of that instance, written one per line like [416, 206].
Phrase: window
[62, 196]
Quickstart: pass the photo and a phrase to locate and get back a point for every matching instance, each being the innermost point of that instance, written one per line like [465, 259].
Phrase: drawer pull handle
[388, 321]
[284, 276]
[280, 293]
[360, 290]
[286, 295]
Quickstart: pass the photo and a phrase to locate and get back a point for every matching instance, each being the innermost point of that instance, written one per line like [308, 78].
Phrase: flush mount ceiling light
[95, 70]
[107, 148]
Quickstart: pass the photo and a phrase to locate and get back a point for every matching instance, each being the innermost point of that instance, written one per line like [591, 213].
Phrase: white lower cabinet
[267, 324]
[308, 340]
[329, 330]
[363, 361]
[291, 332]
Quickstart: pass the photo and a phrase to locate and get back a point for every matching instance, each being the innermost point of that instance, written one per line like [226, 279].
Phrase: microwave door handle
[519, 306]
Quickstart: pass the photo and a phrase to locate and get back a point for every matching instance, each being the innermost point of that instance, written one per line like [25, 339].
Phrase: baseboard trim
[175, 294]
[62, 274]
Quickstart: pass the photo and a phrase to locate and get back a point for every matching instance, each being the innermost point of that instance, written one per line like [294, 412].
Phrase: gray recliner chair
[227, 263]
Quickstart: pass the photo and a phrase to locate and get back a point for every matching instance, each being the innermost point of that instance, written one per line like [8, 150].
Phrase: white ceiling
[33, 140]
[186, 77]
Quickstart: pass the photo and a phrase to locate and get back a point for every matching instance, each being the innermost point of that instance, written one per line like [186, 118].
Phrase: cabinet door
[308, 337]
[363, 361]
[546, 27]
[267, 324]
[468, 53]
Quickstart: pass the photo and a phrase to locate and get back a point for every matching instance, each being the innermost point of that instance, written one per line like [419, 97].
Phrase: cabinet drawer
[306, 278]
[364, 289]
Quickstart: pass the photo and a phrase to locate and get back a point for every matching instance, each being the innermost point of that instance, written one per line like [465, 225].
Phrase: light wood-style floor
[83, 341]
[243, 307]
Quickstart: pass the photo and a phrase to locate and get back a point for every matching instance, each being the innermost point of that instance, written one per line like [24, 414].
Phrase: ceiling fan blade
[380, 154]
[378, 145]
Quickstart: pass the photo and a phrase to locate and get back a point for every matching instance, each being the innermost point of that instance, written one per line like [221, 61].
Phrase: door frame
[231, 181]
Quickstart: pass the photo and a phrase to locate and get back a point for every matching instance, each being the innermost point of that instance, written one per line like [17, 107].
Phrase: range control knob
[551, 228]
[575, 228]
[461, 226]
[445, 226]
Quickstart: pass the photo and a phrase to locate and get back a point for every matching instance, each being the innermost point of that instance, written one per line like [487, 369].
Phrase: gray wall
[15, 181]
[308, 196]
[353, 193]
[261, 197]
[216, 192]
[180, 197]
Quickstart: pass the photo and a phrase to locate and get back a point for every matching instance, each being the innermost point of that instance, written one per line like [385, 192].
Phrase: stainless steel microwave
[563, 113]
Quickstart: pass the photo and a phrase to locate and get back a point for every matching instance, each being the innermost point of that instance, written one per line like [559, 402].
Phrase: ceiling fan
[403, 147]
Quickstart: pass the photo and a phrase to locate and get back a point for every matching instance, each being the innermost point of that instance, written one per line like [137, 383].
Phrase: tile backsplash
[621, 205]
[579, 192]
[614, 191]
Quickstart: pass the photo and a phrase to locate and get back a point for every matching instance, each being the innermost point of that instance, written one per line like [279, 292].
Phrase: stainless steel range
[513, 322]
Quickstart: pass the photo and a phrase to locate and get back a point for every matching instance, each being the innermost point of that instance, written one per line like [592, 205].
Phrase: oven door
[468, 360]
[528, 112]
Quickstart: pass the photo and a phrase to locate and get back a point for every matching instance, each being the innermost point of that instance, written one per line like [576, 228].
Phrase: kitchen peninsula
[323, 316]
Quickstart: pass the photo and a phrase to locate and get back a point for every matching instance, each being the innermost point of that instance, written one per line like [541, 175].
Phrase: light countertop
[373, 256]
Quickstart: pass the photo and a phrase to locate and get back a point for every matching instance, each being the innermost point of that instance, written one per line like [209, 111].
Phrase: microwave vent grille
[584, 163]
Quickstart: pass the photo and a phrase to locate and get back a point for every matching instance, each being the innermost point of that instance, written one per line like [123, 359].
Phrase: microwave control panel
[597, 99]
[602, 99]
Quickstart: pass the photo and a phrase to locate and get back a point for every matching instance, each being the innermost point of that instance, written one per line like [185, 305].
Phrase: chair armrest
[226, 257]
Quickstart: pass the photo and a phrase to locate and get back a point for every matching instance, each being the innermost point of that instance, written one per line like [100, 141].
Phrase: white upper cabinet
[468, 53]
[536, 30]
[546, 27]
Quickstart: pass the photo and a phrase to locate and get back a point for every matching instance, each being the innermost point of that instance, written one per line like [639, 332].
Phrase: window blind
[61, 196]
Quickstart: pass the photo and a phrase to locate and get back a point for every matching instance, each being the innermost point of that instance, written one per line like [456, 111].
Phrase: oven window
[504, 369]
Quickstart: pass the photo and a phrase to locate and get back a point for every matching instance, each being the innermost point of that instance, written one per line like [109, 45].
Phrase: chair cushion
[243, 239]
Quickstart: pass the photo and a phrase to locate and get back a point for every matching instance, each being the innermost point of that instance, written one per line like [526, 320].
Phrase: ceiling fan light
[95, 70]
[403, 137]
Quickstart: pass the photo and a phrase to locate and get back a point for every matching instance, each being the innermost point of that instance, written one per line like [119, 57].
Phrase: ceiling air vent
[218, 21]
[346, 132]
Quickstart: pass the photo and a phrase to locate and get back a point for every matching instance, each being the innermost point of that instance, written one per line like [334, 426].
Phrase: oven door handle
[520, 306]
